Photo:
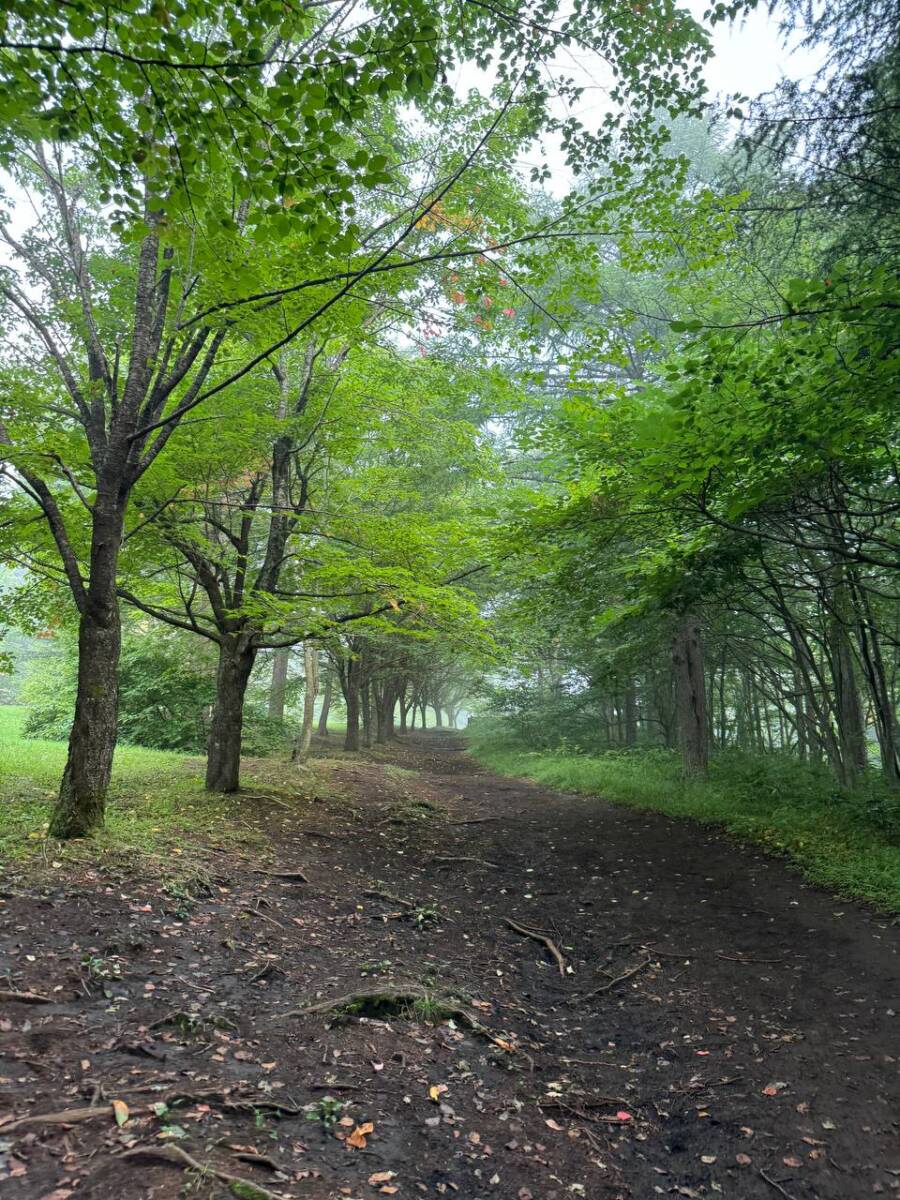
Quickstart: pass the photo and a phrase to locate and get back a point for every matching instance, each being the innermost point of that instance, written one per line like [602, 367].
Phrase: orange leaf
[120, 1111]
[358, 1137]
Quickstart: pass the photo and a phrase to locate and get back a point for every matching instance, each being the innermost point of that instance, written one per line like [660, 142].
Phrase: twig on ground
[612, 982]
[13, 997]
[180, 1158]
[735, 958]
[454, 858]
[475, 821]
[377, 895]
[776, 1185]
[546, 941]
[254, 912]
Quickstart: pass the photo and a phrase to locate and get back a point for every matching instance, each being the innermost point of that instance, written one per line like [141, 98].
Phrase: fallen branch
[546, 941]
[475, 821]
[452, 858]
[180, 1158]
[612, 982]
[12, 997]
[283, 875]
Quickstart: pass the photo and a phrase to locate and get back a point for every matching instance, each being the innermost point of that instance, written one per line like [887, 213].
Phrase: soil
[719, 1028]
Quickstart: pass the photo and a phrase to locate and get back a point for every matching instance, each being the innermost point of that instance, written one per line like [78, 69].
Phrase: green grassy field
[847, 843]
[156, 801]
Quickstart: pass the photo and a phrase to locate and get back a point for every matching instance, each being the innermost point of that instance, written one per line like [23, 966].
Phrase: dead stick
[254, 912]
[284, 875]
[11, 997]
[387, 896]
[452, 858]
[618, 979]
[546, 941]
[776, 1185]
[180, 1158]
[734, 958]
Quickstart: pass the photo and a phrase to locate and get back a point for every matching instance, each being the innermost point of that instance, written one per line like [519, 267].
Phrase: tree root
[408, 1000]
[243, 1189]
[66, 1116]
[544, 940]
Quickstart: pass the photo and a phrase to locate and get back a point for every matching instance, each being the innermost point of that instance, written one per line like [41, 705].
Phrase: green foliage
[166, 690]
[848, 842]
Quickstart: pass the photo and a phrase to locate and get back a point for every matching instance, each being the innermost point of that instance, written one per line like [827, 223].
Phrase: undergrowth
[847, 841]
[157, 805]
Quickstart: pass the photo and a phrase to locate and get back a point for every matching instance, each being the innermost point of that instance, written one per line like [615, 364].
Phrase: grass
[847, 843]
[157, 804]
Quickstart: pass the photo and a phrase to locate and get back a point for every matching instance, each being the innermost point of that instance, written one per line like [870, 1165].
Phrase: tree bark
[687, 656]
[279, 683]
[310, 691]
[223, 759]
[630, 714]
[81, 805]
[326, 704]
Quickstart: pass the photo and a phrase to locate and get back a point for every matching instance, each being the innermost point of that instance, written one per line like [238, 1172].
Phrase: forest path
[742, 1040]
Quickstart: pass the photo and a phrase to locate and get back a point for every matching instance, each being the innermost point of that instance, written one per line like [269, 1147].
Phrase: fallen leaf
[622, 1115]
[120, 1111]
[358, 1137]
[790, 1160]
[744, 1159]
[382, 1177]
[436, 1091]
[709, 1159]
[551, 1124]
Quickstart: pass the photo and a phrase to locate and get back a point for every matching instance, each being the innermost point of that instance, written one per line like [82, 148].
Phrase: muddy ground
[715, 1027]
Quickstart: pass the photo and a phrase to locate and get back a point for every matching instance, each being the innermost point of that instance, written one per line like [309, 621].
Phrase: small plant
[326, 1111]
[425, 914]
[99, 967]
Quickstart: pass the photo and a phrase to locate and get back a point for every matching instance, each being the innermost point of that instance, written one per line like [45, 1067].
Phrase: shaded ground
[742, 1039]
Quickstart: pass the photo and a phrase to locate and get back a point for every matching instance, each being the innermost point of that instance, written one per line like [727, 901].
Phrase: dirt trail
[742, 1039]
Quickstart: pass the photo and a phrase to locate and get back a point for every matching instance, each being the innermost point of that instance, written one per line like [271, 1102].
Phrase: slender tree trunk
[848, 712]
[438, 716]
[630, 708]
[81, 805]
[687, 655]
[223, 759]
[310, 691]
[366, 707]
[279, 683]
[326, 704]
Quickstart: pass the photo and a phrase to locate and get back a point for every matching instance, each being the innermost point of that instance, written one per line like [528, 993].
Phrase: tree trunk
[350, 688]
[438, 716]
[310, 691]
[630, 714]
[81, 804]
[687, 655]
[326, 704]
[848, 713]
[279, 684]
[223, 758]
[366, 709]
